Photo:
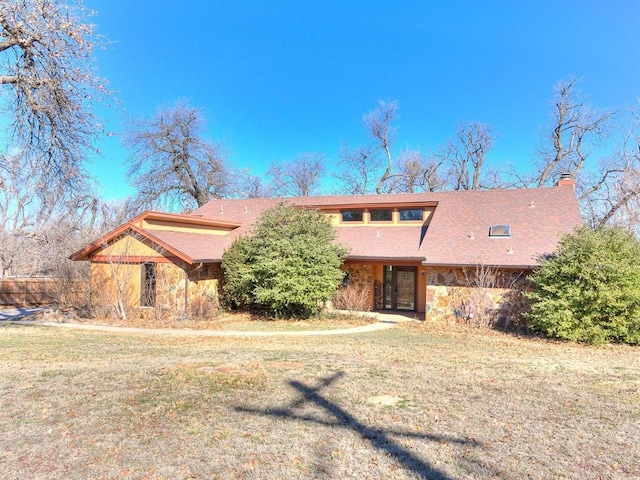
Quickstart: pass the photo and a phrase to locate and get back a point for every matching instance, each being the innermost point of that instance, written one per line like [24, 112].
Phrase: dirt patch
[386, 400]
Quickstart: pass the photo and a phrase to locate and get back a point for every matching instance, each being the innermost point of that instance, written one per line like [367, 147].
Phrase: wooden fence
[34, 291]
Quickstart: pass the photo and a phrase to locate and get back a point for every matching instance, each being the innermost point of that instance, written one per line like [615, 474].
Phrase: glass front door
[399, 288]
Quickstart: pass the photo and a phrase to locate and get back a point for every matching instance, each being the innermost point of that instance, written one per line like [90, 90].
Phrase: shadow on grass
[18, 313]
[377, 437]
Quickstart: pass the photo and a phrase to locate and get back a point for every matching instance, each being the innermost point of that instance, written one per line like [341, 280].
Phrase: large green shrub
[289, 262]
[590, 290]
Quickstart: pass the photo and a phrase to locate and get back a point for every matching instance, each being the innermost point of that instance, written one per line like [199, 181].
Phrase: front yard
[410, 402]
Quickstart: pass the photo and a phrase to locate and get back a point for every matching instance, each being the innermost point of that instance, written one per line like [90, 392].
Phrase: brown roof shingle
[197, 246]
[458, 232]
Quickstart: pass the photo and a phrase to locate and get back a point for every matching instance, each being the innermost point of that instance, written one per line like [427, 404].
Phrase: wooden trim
[378, 206]
[134, 259]
[188, 219]
[85, 251]
[406, 262]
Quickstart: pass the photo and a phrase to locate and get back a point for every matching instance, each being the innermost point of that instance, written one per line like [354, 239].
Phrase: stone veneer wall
[482, 295]
[204, 288]
[358, 295]
[203, 282]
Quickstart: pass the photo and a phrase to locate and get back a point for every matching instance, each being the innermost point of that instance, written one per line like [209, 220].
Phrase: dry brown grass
[239, 321]
[411, 402]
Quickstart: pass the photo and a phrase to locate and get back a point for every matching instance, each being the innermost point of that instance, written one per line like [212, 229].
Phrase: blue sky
[280, 78]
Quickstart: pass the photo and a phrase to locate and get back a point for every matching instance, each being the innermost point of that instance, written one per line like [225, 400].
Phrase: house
[426, 252]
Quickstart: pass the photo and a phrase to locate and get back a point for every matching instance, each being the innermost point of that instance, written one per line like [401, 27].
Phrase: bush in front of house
[589, 290]
[289, 263]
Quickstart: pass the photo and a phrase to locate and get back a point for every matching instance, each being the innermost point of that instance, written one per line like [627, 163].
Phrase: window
[411, 215]
[352, 215]
[381, 215]
[500, 231]
[148, 290]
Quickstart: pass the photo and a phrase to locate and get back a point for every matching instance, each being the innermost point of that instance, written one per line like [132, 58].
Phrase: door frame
[393, 286]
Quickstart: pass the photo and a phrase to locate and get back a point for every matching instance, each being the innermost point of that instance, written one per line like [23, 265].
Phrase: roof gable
[187, 245]
[129, 243]
[112, 244]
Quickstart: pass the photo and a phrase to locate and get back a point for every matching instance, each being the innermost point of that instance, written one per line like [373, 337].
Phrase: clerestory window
[352, 215]
[411, 215]
[381, 215]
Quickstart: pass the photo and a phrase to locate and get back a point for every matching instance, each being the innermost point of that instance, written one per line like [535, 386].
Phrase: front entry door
[399, 288]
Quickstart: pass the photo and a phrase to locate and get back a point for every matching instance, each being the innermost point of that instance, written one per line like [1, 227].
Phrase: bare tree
[466, 155]
[113, 285]
[378, 123]
[609, 191]
[19, 212]
[97, 216]
[477, 302]
[364, 166]
[417, 173]
[359, 170]
[39, 231]
[577, 129]
[45, 70]
[171, 164]
[300, 178]
[247, 185]
[612, 196]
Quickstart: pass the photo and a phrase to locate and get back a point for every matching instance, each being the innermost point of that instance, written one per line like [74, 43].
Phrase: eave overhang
[372, 205]
[474, 265]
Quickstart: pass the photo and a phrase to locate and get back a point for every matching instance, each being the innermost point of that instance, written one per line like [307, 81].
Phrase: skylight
[500, 231]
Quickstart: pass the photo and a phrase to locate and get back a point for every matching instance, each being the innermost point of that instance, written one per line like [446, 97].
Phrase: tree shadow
[379, 438]
[18, 313]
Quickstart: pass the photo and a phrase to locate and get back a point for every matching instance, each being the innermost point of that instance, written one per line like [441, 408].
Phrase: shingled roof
[457, 234]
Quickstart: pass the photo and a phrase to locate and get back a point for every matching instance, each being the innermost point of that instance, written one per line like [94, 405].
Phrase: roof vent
[500, 231]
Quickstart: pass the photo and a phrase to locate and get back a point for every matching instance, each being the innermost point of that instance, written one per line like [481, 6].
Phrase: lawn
[410, 402]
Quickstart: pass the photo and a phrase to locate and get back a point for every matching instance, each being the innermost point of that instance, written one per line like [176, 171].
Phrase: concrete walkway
[385, 321]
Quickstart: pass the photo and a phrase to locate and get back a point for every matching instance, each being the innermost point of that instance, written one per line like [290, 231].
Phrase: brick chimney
[566, 180]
